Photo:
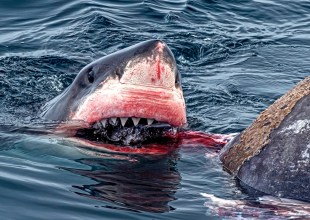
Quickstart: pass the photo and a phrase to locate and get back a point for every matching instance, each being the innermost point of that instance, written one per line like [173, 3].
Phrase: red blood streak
[197, 138]
[181, 139]
[158, 69]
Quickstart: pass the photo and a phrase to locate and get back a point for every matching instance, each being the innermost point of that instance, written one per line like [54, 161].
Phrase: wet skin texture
[159, 73]
[288, 156]
[130, 97]
[281, 168]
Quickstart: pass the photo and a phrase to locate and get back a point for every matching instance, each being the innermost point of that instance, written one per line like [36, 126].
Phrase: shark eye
[91, 76]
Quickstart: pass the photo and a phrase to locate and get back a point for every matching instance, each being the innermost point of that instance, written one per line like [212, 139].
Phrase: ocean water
[235, 57]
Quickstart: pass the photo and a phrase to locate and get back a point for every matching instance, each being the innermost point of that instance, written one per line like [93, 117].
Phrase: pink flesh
[114, 99]
[197, 138]
[181, 139]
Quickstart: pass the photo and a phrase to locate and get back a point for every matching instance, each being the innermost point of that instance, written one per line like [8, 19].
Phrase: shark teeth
[103, 122]
[135, 121]
[123, 121]
[114, 122]
[150, 121]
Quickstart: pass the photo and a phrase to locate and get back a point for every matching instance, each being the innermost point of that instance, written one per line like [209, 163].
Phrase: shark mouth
[128, 131]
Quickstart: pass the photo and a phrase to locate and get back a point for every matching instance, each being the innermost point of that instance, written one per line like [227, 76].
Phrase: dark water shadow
[136, 183]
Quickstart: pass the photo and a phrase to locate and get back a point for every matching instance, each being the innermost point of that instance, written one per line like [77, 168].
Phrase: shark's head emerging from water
[128, 97]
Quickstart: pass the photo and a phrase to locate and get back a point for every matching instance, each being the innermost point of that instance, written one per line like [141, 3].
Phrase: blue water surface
[235, 57]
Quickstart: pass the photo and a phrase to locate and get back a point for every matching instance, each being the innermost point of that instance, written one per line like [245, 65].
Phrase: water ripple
[235, 57]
